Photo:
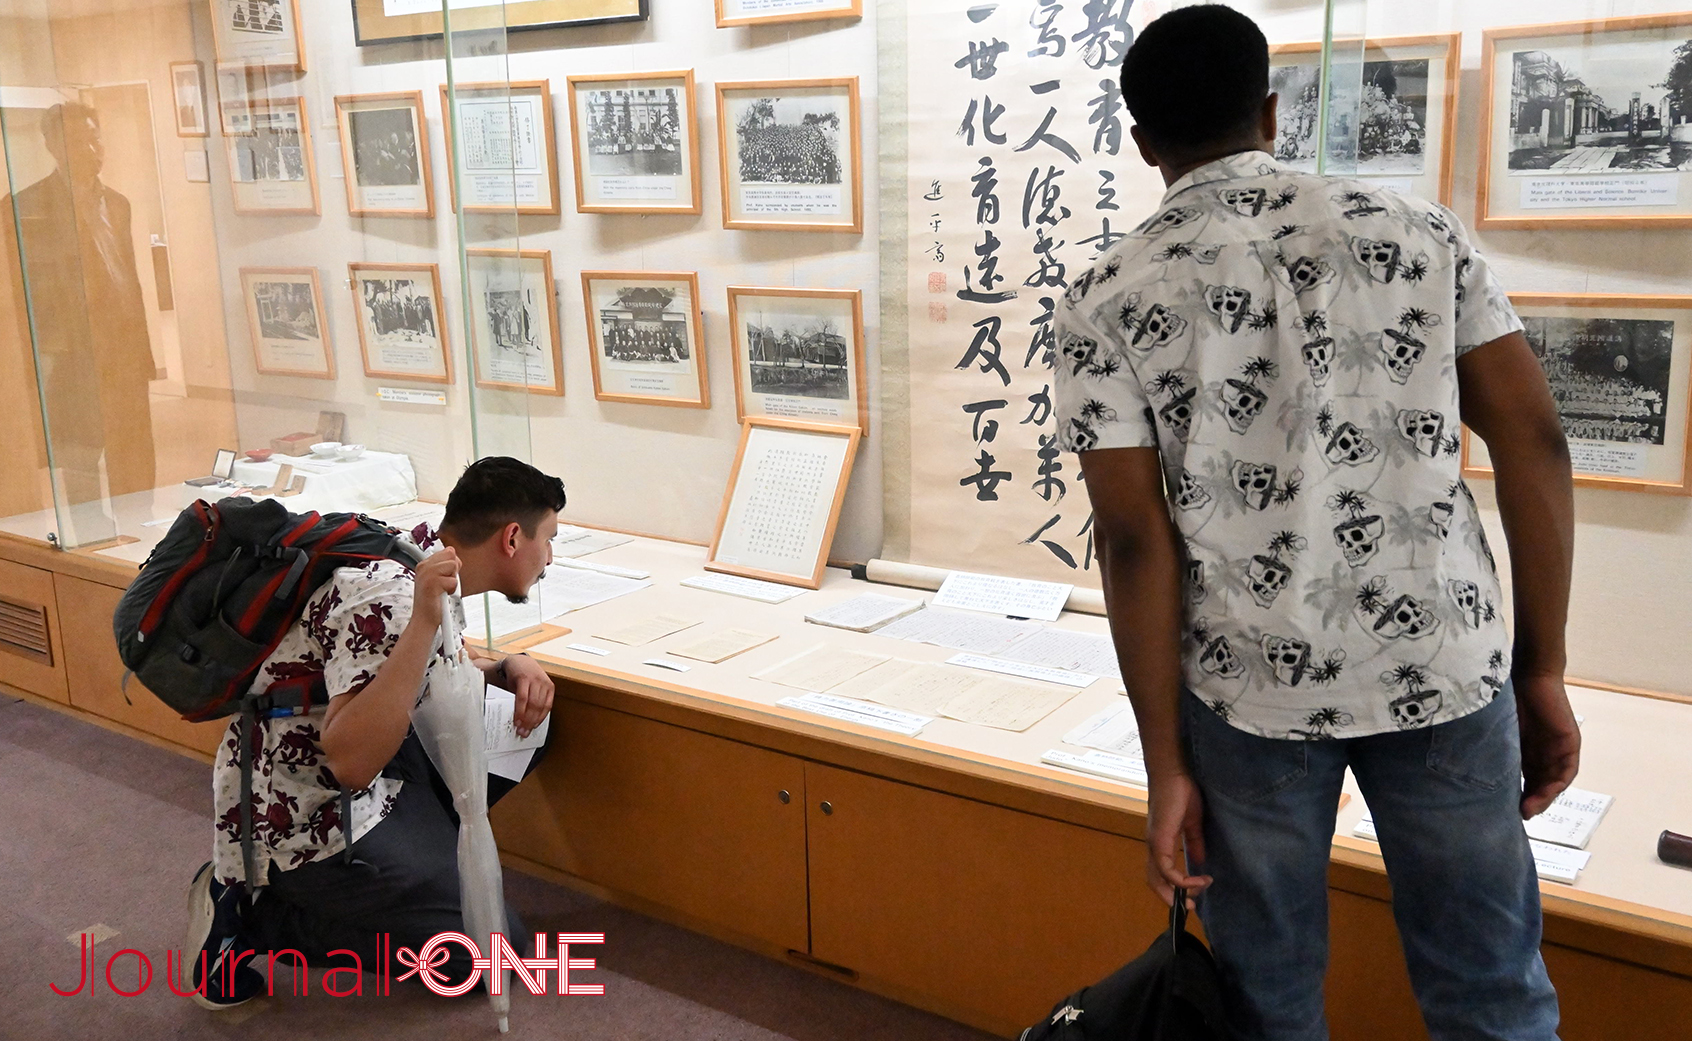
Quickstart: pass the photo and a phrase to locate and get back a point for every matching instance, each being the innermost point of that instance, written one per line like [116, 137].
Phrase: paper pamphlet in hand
[863, 613]
[1571, 820]
[722, 646]
[820, 668]
[994, 594]
[654, 628]
[508, 754]
[958, 630]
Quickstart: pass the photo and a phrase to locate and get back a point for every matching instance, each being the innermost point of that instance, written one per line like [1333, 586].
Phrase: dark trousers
[402, 880]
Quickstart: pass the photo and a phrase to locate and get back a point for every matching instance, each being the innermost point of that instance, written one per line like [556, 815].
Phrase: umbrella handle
[449, 623]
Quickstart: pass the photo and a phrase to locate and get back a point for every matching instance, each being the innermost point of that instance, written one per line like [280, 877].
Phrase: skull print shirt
[348, 628]
[1289, 344]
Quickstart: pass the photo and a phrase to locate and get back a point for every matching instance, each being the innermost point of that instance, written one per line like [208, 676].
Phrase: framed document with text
[387, 21]
[646, 337]
[286, 320]
[514, 320]
[799, 354]
[258, 33]
[1619, 373]
[271, 167]
[385, 154]
[505, 159]
[766, 12]
[635, 144]
[790, 155]
[1588, 124]
[783, 501]
[401, 331]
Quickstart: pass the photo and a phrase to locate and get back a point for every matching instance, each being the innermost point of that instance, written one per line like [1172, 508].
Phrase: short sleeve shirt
[347, 630]
[1289, 344]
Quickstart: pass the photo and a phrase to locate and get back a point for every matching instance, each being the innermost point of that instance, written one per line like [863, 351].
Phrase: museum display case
[333, 252]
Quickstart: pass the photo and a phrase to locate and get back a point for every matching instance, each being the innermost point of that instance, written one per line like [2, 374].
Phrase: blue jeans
[1445, 800]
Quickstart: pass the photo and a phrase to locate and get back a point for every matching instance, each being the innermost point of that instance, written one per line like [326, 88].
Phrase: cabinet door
[32, 656]
[96, 672]
[692, 823]
[985, 914]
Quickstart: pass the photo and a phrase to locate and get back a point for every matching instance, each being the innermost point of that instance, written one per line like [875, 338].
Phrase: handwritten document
[747, 588]
[820, 668]
[1571, 820]
[995, 594]
[782, 500]
[1068, 649]
[913, 686]
[721, 646]
[647, 630]
[861, 712]
[863, 613]
[1110, 729]
[1006, 704]
[1023, 669]
[979, 634]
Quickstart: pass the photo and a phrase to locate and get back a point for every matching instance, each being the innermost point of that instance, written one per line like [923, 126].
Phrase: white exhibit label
[995, 594]
[861, 712]
[654, 187]
[408, 396]
[587, 648]
[788, 200]
[1022, 669]
[1608, 459]
[1557, 193]
[750, 588]
[673, 666]
[1111, 729]
[1103, 764]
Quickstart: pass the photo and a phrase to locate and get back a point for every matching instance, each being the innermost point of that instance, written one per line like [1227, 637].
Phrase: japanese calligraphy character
[985, 349]
[986, 179]
[1051, 42]
[982, 59]
[1106, 113]
[1051, 269]
[1106, 38]
[1041, 412]
[984, 432]
[933, 190]
[1104, 239]
[1044, 135]
[987, 480]
[1048, 191]
[1107, 194]
[1044, 340]
[1049, 483]
[990, 114]
[937, 251]
[987, 276]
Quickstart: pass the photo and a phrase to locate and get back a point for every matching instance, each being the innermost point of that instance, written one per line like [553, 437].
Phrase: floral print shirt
[1289, 344]
[348, 628]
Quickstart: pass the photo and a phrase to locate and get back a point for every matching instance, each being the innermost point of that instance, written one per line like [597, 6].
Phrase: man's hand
[1174, 819]
[525, 678]
[1550, 740]
[434, 577]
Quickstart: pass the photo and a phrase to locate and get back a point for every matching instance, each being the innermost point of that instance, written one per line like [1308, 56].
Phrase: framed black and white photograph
[731, 13]
[258, 33]
[636, 149]
[1618, 369]
[1588, 124]
[1391, 120]
[799, 354]
[387, 21]
[385, 154]
[285, 318]
[790, 155]
[271, 166]
[514, 320]
[401, 325]
[646, 337]
[506, 147]
[188, 98]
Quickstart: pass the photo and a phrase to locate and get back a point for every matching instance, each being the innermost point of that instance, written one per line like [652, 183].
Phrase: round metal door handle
[828, 808]
[784, 796]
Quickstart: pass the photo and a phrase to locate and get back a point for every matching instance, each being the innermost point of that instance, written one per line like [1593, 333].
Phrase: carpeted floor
[102, 832]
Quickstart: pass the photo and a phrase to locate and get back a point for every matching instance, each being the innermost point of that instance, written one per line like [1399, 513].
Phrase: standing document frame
[783, 501]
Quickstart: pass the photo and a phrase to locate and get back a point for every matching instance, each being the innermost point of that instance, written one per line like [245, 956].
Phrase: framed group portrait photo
[505, 158]
[635, 143]
[287, 323]
[401, 322]
[1620, 369]
[790, 155]
[258, 33]
[271, 166]
[385, 154]
[799, 354]
[646, 337]
[1588, 124]
[514, 320]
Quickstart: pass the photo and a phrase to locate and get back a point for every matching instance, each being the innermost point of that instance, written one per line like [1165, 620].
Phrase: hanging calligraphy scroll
[1021, 173]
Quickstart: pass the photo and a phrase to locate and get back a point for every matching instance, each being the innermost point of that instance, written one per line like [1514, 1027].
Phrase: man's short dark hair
[1195, 77]
[495, 491]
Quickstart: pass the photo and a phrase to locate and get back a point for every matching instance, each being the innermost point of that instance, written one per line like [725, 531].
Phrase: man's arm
[363, 730]
[1507, 403]
[1140, 557]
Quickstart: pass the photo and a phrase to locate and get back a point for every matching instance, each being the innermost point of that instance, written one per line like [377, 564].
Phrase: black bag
[217, 595]
[1170, 993]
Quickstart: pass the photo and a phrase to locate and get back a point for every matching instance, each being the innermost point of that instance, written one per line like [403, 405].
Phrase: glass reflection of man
[89, 320]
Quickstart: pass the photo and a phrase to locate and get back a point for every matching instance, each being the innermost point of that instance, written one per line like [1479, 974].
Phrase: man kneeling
[373, 632]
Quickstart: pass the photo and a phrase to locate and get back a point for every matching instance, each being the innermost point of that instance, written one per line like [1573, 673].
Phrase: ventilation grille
[23, 630]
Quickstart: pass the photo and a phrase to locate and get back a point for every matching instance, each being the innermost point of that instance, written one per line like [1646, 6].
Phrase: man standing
[1265, 382]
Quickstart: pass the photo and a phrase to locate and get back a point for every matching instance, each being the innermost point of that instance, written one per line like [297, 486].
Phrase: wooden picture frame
[272, 169]
[258, 33]
[392, 178]
[1586, 160]
[632, 326]
[1629, 360]
[496, 274]
[649, 163]
[188, 98]
[526, 182]
[373, 24]
[731, 13]
[792, 550]
[1397, 167]
[768, 326]
[821, 191]
[402, 329]
[287, 323]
